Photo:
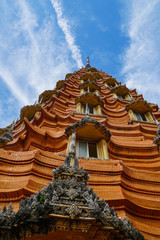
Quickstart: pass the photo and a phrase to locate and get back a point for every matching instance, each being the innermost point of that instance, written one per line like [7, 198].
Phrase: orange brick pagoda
[89, 124]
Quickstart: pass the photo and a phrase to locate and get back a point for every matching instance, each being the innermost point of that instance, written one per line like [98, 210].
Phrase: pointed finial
[88, 61]
[88, 65]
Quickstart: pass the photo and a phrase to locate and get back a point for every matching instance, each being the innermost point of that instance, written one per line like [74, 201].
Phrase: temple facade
[101, 140]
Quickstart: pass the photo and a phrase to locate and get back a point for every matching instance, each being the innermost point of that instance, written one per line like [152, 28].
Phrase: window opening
[83, 149]
[111, 85]
[87, 108]
[87, 149]
[92, 149]
[89, 90]
[140, 117]
[143, 117]
[121, 97]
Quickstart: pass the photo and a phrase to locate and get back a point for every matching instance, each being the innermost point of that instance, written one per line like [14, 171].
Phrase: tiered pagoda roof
[129, 180]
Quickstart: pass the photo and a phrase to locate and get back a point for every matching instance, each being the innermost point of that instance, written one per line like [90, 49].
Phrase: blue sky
[42, 40]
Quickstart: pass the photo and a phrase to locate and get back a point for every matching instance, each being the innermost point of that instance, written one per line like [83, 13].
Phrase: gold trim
[132, 115]
[102, 149]
[98, 110]
[79, 107]
[149, 117]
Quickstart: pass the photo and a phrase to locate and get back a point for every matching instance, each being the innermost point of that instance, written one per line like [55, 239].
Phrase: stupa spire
[88, 64]
[87, 60]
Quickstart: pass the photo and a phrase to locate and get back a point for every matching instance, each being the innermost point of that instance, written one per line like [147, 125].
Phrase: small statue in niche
[157, 139]
[71, 160]
[158, 132]
[72, 148]
[7, 136]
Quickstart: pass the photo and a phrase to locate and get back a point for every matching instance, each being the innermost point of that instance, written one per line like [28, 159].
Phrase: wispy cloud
[102, 27]
[33, 55]
[141, 60]
[64, 25]
[17, 91]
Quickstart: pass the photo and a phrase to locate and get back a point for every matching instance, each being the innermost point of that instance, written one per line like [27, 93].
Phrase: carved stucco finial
[156, 121]
[7, 136]
[157, 139]
[71, 160]
[72, 148]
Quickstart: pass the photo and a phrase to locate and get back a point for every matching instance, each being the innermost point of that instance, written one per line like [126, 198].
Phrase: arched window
[87, 108]
[90, 87]
[89, 103]
[93, 76]
[121, 92]
[140, 110]
[91, 138]
[87, 76]
[110, 82]
[87, 149]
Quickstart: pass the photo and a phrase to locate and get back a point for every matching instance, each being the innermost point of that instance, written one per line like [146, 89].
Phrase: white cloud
[64, 25]
[141, 60]
[33, 55]
[17, 91]
[9, 112]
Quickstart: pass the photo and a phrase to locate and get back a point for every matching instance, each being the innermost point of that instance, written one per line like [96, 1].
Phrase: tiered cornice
[88, 76]
[46, 95]
[89, 98]
[139, 106]
[121, 90]
[29, 111]
[110, 81]
[94, 124]
[127, 180]
[91, 84]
